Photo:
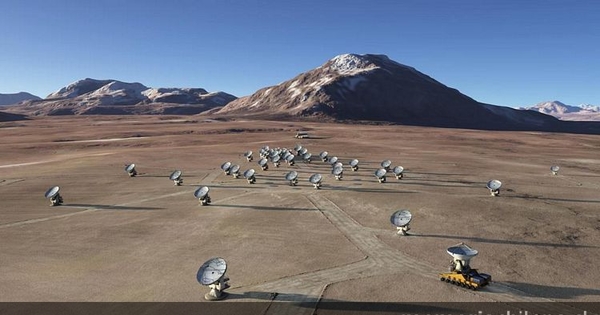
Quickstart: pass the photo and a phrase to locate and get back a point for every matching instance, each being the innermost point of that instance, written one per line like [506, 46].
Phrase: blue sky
[511, 53]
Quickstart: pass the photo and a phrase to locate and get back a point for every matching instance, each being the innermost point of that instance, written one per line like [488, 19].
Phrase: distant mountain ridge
[14, 98]
[586, 112]
[92, 96]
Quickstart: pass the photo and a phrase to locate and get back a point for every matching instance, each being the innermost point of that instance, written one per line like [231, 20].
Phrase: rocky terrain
[14, 98]
[567, 112]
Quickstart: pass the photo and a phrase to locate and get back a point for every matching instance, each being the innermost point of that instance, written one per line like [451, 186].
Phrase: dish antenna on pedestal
[494, 187]
[225, 167]
[249, 175]
[398, 171]
[292, 177]
[354, 165]
[554, 169]
[263, 164]
[338, 172]
[297, 148]
[380, 174]
[235, 171]
[55, 198]
[333, 160]
[202, 195]
[323, 155]
[386, 165]
[248, 156]
[307, 157]
[212, 274]
[460, 272]
[130, 169]
[176, 178]
[315, 179]
[290, 159]
[275, 159]
[401, 219]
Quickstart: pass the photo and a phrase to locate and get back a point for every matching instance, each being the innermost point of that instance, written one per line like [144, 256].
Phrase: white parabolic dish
[175, 175]
[386, 163]
[248, 153]
[249, 173]
[494, 184]
[380, 173]
[211, 271]
[291, 175]
[225, 166]
[289, 158]
[129, 167]
[262, 162]
[201, 192]
[401, 218]
[235, 168]
[555, 168]
[398, 170]
[333, 159]
[462, 251]
[337, 171]
[315, 178]
[323, 154]
[354, 162]
[52, 192]
[275, 159]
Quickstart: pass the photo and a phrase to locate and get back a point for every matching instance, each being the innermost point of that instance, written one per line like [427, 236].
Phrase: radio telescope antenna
[333, 160]
[290, 159]
[292, 177]
[401, 219]
[225, 167]
[212, 274]
[275, 159]
[338, 172]
[386, 165]
[380, 174]
[323, 155]
[554, 169]
[249, 176]
[307, 157]
[315, 179]
[248, 156]
[130, 169]
[176, 178]
[297, 148]
[354, 165]
[202, 195]
[494, 187]
[235, 171]
[263, 164]
[55, 198]
[398, 171]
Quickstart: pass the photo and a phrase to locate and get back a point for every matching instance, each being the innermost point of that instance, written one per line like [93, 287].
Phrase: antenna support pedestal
[57, 200]
[382, 180]
[494, 192]
[403, 229]
[217, 290]
[178, 182]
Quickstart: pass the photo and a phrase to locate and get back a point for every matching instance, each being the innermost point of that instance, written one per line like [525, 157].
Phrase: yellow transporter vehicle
[461, 273]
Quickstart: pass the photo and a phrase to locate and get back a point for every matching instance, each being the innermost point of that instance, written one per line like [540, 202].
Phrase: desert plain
[142, 239]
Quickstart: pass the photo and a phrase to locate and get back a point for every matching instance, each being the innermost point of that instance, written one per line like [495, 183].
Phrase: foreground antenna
[212, 274]
[55, 198]
[354, 165]
[176, 178]
[130, 169]
[398, 171]
[461, 272]
[249, 176]
[202, 195]
[380, 174]
[248, 156]
[554, 169]
[401, 219]
[292, 177]
[494, 187]
[315, 179]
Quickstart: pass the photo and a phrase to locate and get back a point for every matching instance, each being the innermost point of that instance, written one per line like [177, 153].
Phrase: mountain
[110, 97]
[14, 98]
[353, 87]
[562, 111]
[11, 117]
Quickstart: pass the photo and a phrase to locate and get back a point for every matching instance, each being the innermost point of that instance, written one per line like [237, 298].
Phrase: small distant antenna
[315, 179]
[130, 169]
[263, 164]
[202, 195]
[212, 274]
[248, 156]
[337, 164]
[554, 169]
[323, 155]
[494, 187]
[380, 174]
[290, 159]
[225, 167]
[292, 177]
[307, 157]
[249, 176]
[275, 159]
[333, 160]
[235, 171]
[338, 172]
[354, 165]
[55, 198]
[176, 178]
[386, 165]
[297, 148]
[401, 219]
[398, 171]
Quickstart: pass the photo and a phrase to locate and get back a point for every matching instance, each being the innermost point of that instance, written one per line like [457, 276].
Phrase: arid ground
[117, 238]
